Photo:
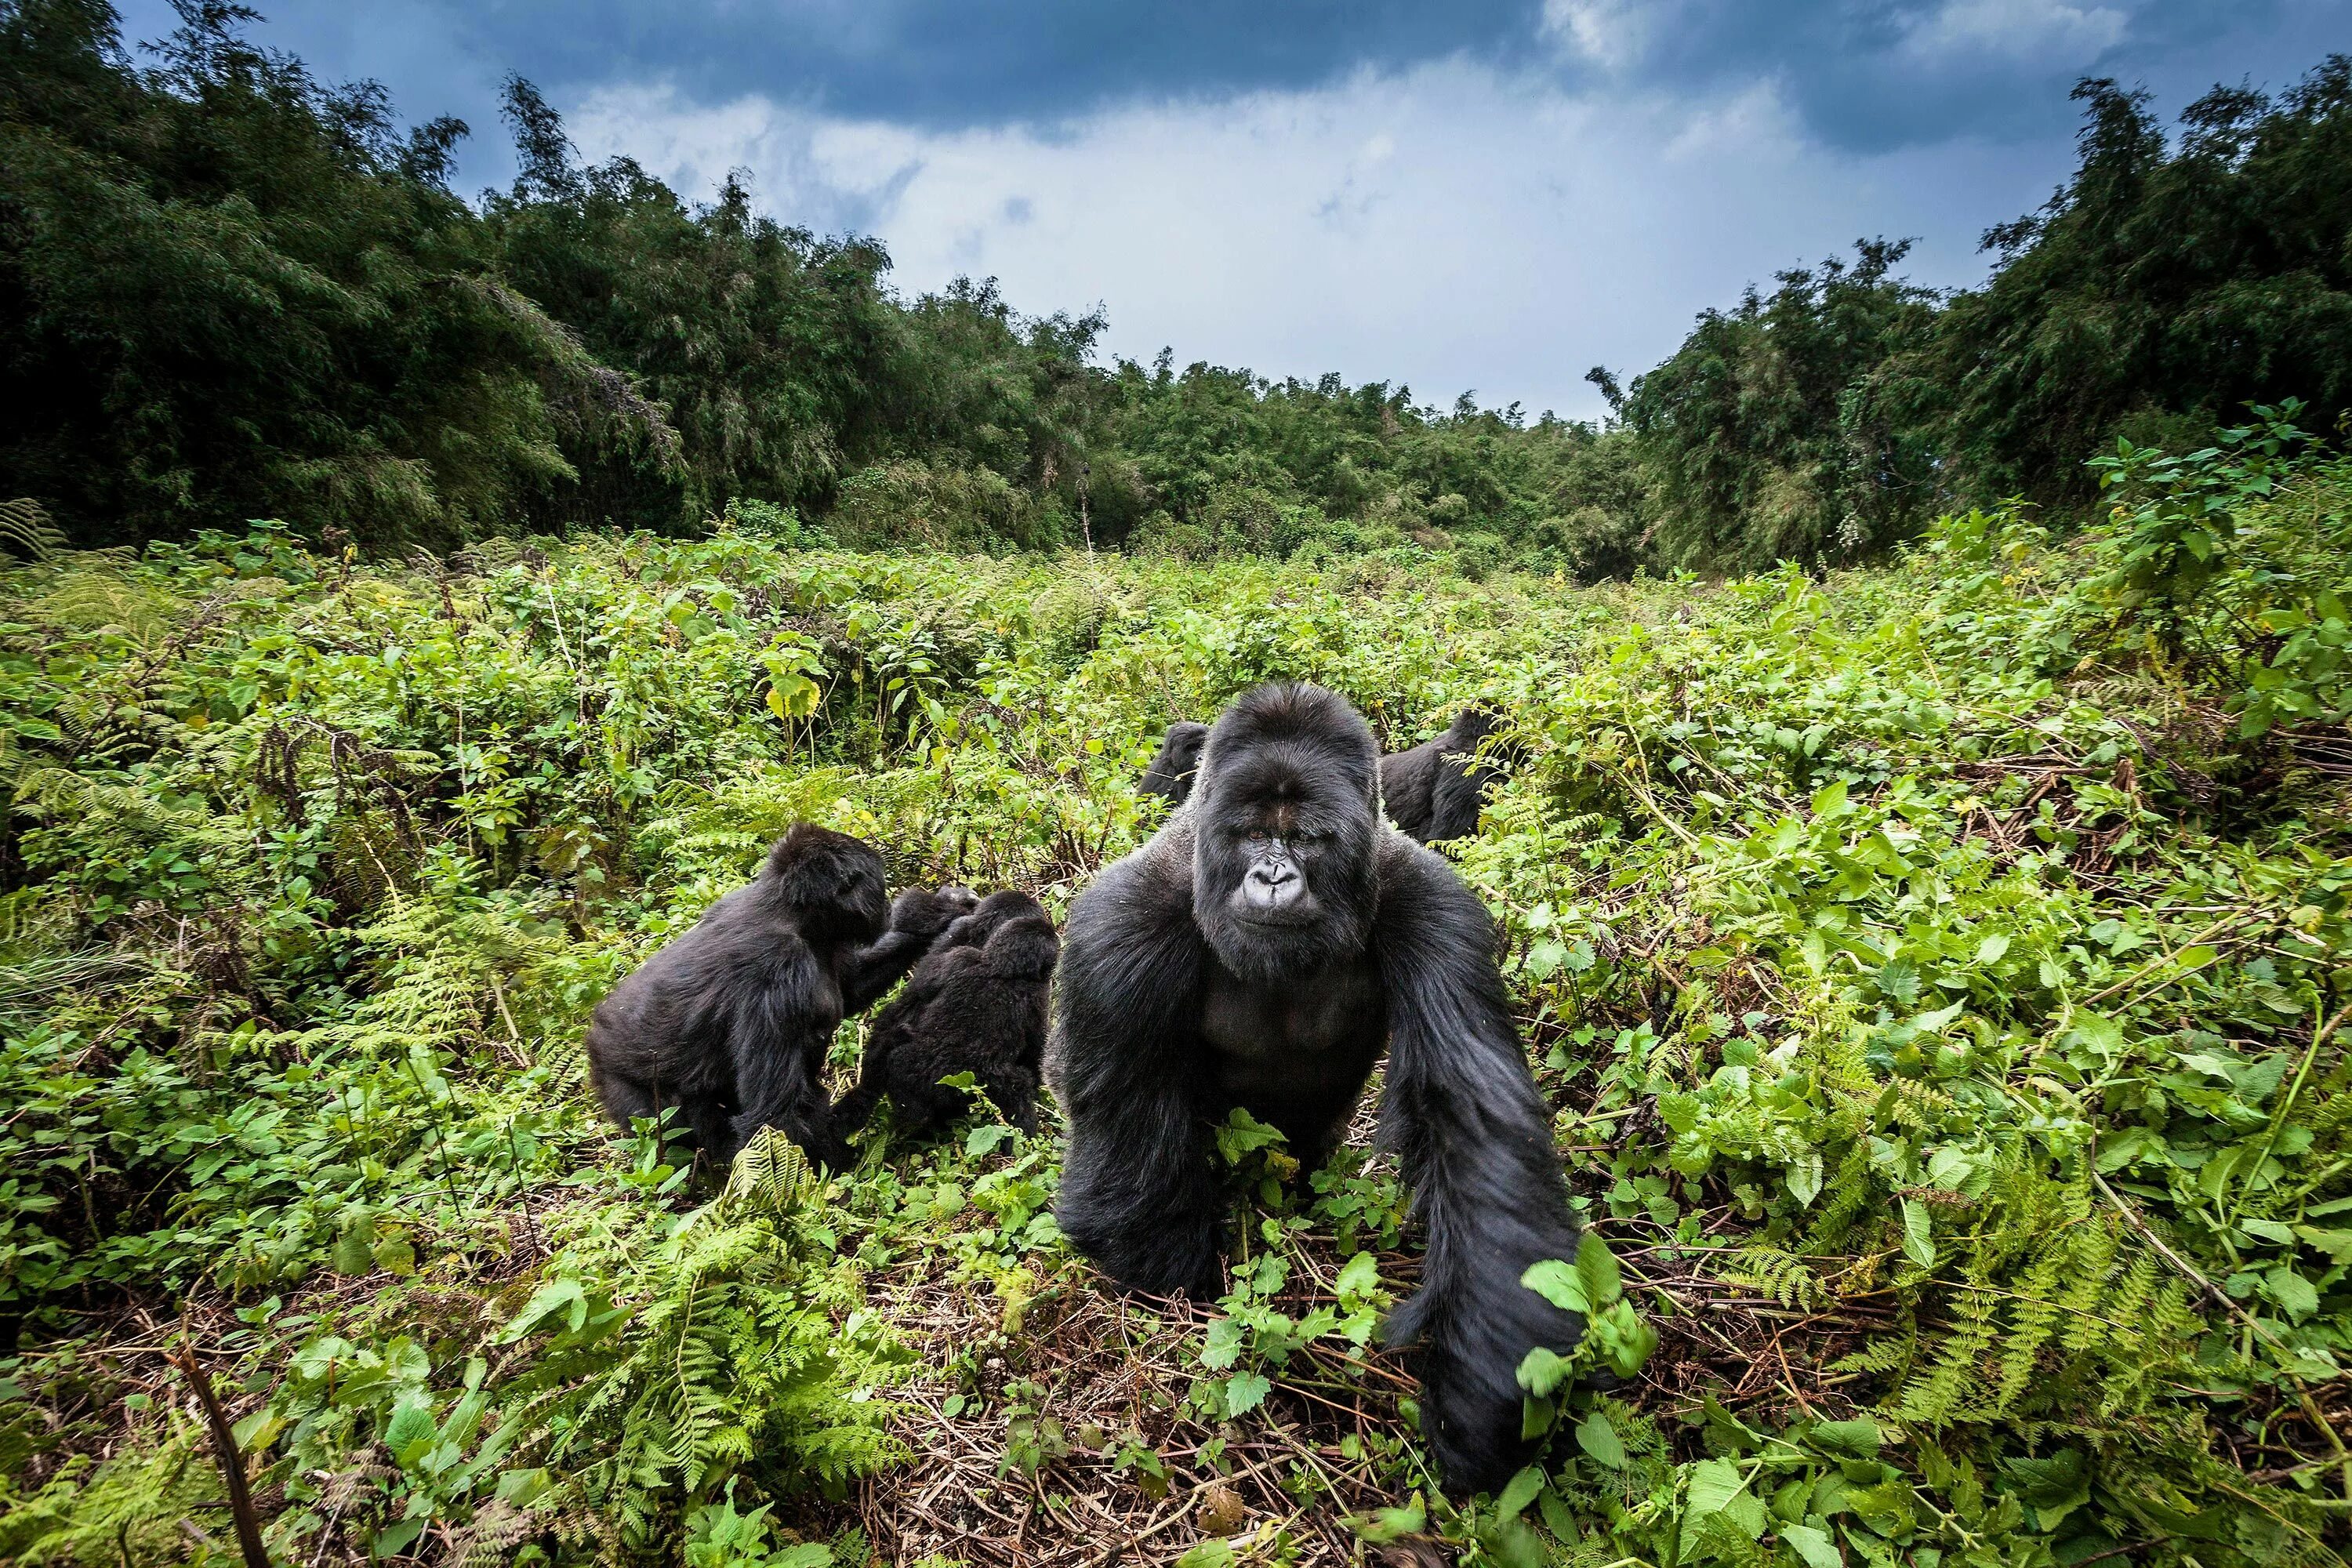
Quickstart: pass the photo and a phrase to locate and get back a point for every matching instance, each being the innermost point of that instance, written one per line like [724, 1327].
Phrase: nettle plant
[1255, 1338]
[1616, 1337]
[2221, 557]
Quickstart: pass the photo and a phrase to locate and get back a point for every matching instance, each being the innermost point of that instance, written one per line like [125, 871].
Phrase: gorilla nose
[1271, 887]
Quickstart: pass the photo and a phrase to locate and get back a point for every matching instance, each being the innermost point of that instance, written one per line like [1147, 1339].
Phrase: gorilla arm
[778, 1033]
[1137, 1192]
[917, 919]
[1474, 1138]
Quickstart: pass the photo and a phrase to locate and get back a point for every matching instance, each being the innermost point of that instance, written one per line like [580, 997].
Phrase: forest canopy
[234, 291]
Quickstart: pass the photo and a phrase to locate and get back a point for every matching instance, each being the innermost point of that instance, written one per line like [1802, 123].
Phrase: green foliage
[1775, 433]
[243, 294]
[1904, 987]
[2260, 603]
[2166, 284]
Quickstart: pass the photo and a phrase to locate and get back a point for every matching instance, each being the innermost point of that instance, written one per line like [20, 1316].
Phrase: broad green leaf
[1813, 1545]
[1918, 1239]
[2297, 1296]
[1359, 1276]
[353, 1253]
[1556, 1282]
[412, 1427]
[2336, 1244]
[1519, 1492]
[1245, 1393]
[1804, 1178]
[1541, 1372]
[1597, 1438]
[393, 1539]
[1223, 1345]
[1596, 1271]
[1856, 1439]
[1713, 1484]
[563, 1295]
[1386, 1524]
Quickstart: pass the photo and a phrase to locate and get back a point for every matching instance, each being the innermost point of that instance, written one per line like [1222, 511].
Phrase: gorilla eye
[1257, 836]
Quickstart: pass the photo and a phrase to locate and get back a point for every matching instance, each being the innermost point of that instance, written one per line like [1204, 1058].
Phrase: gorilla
[730, 1022]
[1433, 791]
[1172, 770]
[975, 1003]
[1260, 952]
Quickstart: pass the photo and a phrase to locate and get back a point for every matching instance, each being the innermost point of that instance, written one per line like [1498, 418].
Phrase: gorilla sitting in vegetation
[1261, 952]
[976, 1003]
[1433, 791]
[730, 1022]
[1171, 771]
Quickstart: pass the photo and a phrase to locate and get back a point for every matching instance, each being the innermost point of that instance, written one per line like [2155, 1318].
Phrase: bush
[968, 511]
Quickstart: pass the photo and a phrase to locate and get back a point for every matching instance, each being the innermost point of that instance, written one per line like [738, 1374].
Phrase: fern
[727, 1356]
[26, 530]
[1782, 1275]
[2058, 1315]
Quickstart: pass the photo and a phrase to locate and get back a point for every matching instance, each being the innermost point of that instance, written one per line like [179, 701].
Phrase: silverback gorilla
[1171, 772]
[1435, 790]
[730, 1022]
[976, 1003]
[1260, 952]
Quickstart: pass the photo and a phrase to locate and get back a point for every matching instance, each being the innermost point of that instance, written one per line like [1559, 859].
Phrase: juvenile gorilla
[1435, 790]
[1171, 772]
[1261, 951]
[730, 1022]
[976, 1003]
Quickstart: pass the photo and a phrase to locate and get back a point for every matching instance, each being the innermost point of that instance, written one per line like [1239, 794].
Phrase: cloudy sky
[1459, 194]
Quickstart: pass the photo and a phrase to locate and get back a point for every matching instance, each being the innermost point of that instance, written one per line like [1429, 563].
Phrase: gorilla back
[1261, 952]
[975, 1003]
[1435, 790]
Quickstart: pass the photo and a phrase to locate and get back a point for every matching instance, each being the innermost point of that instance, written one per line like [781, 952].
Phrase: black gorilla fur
[1260, 952]
[976, 1003]
[730, 1022]
[1172, 769]
[1435, 790]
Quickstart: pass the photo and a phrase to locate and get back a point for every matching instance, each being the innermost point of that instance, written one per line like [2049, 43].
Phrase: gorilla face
[1185, 739]
[1283, 873]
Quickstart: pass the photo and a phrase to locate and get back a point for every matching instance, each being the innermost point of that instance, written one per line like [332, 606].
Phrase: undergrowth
[1938, 972]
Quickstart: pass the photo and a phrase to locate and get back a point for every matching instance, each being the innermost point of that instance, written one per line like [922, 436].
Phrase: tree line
[228, 291]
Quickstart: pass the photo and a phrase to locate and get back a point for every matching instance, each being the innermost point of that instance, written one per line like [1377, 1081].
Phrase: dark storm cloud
[1870, 75]
[950, 64]
[1858, 75]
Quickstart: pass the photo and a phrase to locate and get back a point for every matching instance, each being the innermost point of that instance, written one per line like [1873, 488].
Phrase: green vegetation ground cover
[1937, 972]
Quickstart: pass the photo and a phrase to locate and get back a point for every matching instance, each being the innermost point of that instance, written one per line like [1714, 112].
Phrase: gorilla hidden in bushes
[1260, 952]
[976, 1003]
[1171, 772]
[730, 1022]
[1433, 791]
